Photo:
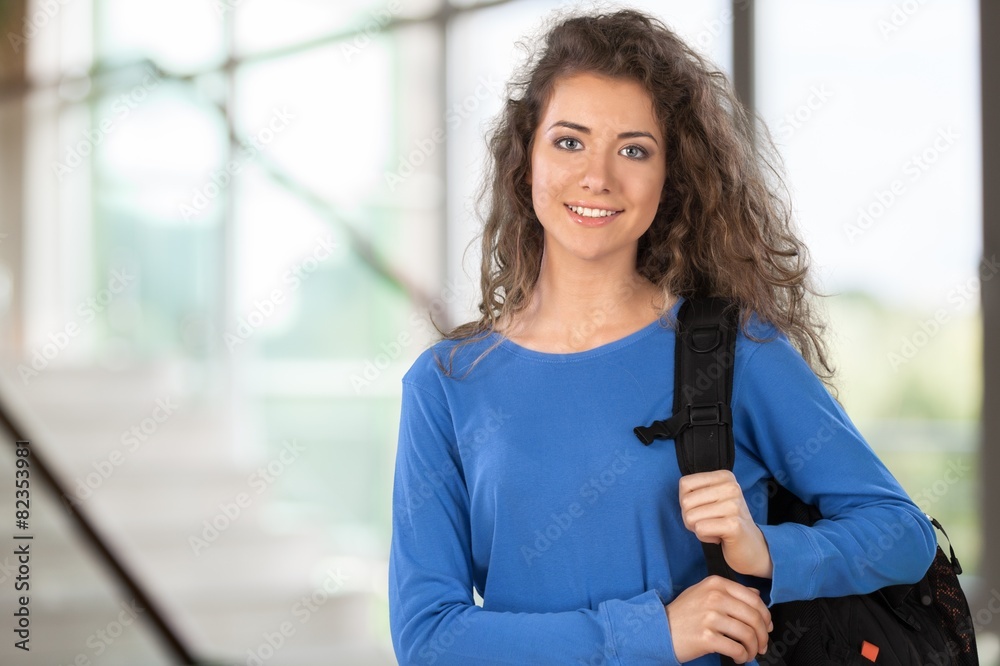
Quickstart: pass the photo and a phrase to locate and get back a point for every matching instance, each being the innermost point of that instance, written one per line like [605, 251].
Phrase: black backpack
[927, 623]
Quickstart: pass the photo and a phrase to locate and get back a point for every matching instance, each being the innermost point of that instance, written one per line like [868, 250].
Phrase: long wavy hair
[724, 224]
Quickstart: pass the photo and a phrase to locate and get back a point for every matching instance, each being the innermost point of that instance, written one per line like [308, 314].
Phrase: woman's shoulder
[756, 332]
[763, 347]
[447, 357]
[768, 361]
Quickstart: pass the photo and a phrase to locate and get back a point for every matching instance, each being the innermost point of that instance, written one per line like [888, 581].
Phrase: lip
[591, 221]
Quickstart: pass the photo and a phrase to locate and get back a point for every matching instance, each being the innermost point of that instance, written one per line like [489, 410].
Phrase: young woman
[624, 178]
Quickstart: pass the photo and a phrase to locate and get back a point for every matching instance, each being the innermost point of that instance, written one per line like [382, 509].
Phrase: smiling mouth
[596, 213]
[592, 217]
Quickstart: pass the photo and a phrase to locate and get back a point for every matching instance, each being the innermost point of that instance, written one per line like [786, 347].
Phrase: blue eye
[566, 138]
[643, 154]
[640, 155]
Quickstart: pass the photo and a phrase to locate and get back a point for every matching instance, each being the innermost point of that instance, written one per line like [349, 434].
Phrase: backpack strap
[704, 355]
[702, 422]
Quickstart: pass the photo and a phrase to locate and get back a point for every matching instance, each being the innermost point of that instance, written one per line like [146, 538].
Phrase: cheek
[548, 181]
[651, 190]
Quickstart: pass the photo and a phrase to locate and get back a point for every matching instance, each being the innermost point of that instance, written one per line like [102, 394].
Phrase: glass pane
[157, 205]
[157, 192]
[180, 35]
[263, 25]
[323, 360]
[305, 193]
[875, 107]
[331, 119]
[342, 466]
[303, 292]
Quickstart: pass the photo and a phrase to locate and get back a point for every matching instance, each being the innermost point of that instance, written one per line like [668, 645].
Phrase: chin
[594, 254]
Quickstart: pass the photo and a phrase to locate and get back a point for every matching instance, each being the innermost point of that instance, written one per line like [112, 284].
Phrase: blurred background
[225, 224]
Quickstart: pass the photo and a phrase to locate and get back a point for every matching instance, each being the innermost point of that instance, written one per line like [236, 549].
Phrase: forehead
[599, 101]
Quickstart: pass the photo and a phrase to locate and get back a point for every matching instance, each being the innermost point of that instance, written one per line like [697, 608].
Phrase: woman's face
[598, 146]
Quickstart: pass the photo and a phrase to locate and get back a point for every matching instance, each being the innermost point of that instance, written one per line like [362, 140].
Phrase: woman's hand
[713, 507]
[718, 615]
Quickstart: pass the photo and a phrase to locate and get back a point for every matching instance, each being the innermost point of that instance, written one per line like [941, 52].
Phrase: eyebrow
[586, 130]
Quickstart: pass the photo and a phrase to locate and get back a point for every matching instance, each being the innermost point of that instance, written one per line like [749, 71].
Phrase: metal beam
[106, 74]
[743, 52]
[12, 187]
[989, 452]
[164, 629]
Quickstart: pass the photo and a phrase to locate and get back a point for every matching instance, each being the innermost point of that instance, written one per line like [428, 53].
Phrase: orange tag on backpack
[869, 651]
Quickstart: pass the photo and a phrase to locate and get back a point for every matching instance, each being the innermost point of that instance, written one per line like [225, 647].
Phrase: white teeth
[592, 212]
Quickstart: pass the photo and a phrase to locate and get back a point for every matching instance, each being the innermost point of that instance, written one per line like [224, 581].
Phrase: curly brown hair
[724, 223]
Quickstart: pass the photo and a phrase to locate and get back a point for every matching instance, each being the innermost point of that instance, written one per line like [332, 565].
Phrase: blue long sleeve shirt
[525, 481]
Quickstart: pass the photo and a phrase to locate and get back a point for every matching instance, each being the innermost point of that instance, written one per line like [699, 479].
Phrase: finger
[714, 530]
[751, 610]
[735, 640]
[751, 617]
[710, 503]
[721, 493]
[749, 596]
[725, 508]
[701, 496]
[727, 632]
[743, 623]
[698, 480]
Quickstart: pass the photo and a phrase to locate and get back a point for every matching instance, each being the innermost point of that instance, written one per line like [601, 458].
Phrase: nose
[597, 175]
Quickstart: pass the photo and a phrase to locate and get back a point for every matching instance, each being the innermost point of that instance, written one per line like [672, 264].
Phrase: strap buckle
[691, 416]
[706, 415]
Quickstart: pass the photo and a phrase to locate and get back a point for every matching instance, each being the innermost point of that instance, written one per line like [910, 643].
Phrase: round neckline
[605, 348]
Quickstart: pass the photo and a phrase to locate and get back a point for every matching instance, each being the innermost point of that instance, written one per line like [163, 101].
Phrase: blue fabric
[524, 479]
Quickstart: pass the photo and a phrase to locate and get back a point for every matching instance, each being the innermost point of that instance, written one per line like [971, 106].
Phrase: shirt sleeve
[432, 615]
[872, 534]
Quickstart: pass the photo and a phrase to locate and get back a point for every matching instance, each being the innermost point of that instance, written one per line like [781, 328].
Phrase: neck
[569, 291]
[578, 298]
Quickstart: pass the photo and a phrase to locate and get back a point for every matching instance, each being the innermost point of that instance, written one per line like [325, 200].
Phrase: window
[877, 115]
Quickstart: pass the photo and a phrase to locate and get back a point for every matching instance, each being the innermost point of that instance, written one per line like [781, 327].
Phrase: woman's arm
[872, 534]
